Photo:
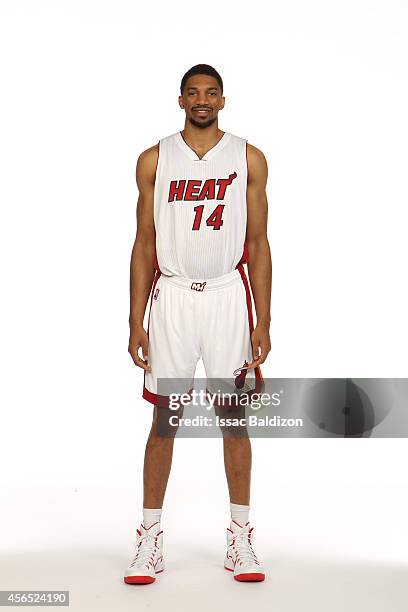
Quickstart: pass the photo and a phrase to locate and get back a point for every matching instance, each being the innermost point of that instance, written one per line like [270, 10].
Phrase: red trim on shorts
[159, 400]
[259, 384]
[157, 275]
[162, 400]
[240, 268]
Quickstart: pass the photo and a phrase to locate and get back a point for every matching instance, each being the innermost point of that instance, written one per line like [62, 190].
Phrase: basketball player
[201, 214]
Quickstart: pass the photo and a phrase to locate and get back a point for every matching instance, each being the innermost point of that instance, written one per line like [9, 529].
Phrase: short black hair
[201, 69]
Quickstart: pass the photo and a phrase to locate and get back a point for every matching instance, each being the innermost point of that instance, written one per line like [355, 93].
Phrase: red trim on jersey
[245, 255]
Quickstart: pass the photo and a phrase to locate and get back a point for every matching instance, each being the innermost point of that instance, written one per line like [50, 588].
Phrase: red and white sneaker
[240, 557]
[148, 560]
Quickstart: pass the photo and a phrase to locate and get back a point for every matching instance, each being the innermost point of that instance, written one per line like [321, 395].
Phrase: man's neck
[202, 139]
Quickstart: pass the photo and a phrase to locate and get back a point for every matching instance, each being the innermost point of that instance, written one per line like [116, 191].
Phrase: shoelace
[146, 547]
[243, 547]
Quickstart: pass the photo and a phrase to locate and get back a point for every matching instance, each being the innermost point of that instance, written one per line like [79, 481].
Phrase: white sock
[151, 516]
[239, 514]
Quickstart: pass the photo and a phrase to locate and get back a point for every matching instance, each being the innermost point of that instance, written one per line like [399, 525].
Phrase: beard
[200, 124]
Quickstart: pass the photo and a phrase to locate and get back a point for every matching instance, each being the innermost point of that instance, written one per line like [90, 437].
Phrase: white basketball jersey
[200, 209]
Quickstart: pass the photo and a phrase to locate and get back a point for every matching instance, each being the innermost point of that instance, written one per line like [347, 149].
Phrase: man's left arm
[259, 262]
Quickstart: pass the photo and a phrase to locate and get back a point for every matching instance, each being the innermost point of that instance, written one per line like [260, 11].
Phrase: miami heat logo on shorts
[240, 374]
[198, 286]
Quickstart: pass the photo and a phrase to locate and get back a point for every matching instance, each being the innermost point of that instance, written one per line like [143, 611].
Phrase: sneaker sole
[140, 579]
[254, 577]
[250, 577]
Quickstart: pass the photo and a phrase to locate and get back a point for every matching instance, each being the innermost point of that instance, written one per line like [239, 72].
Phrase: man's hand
[139, 339]
[261, 345]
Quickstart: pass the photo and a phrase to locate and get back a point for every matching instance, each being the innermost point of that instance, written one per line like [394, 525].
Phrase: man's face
[202, 100]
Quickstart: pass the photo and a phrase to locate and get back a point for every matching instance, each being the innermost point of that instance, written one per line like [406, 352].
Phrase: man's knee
[232, 421]
[163, 425]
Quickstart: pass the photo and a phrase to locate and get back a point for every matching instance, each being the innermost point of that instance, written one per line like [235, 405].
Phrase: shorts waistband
[207, 284]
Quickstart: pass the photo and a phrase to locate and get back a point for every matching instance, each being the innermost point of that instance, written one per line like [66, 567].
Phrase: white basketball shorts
[189, 319]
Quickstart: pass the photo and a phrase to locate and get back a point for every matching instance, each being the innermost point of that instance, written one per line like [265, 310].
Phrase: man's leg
[148, 560]
[237, 455]
[237, 461]
[158, 458]
[240, 557]
[225, 346]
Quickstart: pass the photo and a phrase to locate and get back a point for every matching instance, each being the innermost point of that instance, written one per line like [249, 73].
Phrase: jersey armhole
[158, 157]
[246, 158]
[156, 263]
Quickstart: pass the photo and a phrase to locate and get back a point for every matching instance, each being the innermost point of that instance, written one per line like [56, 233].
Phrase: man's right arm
[143, 255]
